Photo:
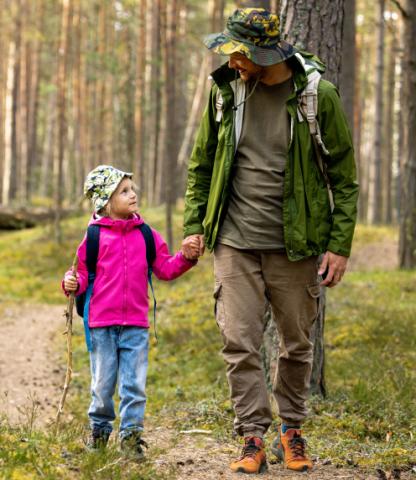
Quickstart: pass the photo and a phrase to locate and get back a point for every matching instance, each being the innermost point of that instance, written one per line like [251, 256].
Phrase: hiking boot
[98, 439]
[289, 448]
[133, 444]
[253, 457]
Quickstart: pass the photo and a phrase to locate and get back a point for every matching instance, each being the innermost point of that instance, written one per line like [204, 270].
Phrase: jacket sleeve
[200, 169]
[167, 266]
[82, 268]
[341, 168]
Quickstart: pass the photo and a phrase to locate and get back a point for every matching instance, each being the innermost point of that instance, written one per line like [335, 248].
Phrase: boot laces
[249, 449]
[297, 445]
[139, 442]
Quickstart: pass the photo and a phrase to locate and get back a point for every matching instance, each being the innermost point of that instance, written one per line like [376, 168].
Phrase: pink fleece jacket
[120, 295]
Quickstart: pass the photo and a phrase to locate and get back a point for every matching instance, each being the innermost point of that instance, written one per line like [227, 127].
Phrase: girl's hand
[190, 248]
[71, 284]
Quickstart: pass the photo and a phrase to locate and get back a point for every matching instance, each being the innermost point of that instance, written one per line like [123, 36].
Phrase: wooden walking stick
[68, 332]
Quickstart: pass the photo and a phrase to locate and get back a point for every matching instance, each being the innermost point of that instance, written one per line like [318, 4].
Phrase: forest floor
[32, 373]
[31, 389]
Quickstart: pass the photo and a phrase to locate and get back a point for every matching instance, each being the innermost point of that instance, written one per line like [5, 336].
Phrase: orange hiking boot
[289, 448]
[253, 457]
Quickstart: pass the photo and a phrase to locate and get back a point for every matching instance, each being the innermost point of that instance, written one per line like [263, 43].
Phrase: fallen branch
[69, 316]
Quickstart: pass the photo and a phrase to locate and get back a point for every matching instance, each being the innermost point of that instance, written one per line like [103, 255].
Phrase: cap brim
[222, 44]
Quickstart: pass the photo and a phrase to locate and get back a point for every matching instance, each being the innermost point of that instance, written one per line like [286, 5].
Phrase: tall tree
[378, 136]
[408, 217]
[317, 26]
[389, 124]
[62, 119]
[347, 82]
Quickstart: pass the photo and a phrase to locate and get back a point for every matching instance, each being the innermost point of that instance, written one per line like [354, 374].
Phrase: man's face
[245, 67]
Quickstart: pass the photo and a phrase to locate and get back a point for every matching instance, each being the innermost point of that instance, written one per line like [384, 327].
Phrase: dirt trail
[201, 457]
[31, 371]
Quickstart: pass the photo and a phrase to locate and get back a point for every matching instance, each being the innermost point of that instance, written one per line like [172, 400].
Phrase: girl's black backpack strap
[150, 244]
[93, 245]
[150, 258]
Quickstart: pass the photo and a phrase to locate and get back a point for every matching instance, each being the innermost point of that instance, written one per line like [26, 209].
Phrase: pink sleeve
[82, 268]
[167, 266]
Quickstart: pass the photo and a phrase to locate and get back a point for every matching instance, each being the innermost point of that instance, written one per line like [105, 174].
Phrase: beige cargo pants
[244, 281]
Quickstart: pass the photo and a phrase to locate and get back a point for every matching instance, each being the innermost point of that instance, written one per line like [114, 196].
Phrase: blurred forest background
[85, 82]
[125, 82]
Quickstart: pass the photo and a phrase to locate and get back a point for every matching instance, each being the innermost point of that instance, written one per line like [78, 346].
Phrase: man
[257, 197]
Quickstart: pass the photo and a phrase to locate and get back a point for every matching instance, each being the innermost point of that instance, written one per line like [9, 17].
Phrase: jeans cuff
[129, 432]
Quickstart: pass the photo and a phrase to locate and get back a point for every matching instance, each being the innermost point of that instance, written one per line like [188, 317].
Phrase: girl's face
[123, 201]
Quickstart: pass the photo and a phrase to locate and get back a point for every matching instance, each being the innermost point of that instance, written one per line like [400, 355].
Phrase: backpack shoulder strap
[150, 257]
[150, 244]
[308, 110]
[93, 245]
[219, 103]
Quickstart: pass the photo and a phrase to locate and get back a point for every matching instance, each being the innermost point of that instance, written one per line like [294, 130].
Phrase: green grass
[368, 417]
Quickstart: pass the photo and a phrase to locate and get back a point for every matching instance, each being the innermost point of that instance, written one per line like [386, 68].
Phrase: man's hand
[334, 265]
[199, 238]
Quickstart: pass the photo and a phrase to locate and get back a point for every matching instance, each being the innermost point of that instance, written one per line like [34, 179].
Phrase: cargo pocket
[219, 307]
[314, 291]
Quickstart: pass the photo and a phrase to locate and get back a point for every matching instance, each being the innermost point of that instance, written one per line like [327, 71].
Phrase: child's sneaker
[253, 457]
[289, 448]
[97, 439]
[133, 445]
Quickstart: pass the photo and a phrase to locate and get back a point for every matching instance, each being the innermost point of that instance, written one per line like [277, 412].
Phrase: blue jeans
[118, 352]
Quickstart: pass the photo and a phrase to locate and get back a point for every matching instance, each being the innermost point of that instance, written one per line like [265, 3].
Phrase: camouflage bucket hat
[101, 183]
[255, 33]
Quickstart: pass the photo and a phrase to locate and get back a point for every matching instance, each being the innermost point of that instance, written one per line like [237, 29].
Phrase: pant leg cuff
[254, 433]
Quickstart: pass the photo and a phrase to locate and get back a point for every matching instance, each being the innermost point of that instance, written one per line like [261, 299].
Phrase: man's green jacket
[309, 226]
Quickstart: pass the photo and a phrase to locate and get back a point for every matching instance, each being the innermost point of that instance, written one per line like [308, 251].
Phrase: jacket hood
[108, 222]
[298, 63]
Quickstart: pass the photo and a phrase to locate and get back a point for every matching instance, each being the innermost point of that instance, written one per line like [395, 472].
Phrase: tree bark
[139, 167]
[62, 120]
[389, 127]
[379, 120]
[347, 78]
[408, 219]
[316, 26]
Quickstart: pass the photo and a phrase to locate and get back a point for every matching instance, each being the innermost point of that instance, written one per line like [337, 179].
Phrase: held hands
[70, 284]
[193, 247]
[333, 267]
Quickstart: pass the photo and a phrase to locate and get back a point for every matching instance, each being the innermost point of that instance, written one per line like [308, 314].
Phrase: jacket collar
[124, 225]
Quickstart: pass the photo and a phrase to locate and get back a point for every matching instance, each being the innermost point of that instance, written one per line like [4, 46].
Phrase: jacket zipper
[124, 313]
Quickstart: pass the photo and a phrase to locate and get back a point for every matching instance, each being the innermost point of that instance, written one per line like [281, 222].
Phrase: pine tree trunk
[389, 129]
[378, 135]
[140, 128]
[317, 26]
[408, 219]
[62, 120]
[347, 78]
[8, 116]
[306, 25]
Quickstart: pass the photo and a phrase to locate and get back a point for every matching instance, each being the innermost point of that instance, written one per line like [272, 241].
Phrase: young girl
[118, 309]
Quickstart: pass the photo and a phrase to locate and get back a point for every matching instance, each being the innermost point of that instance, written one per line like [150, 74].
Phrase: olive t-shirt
[254, 215]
